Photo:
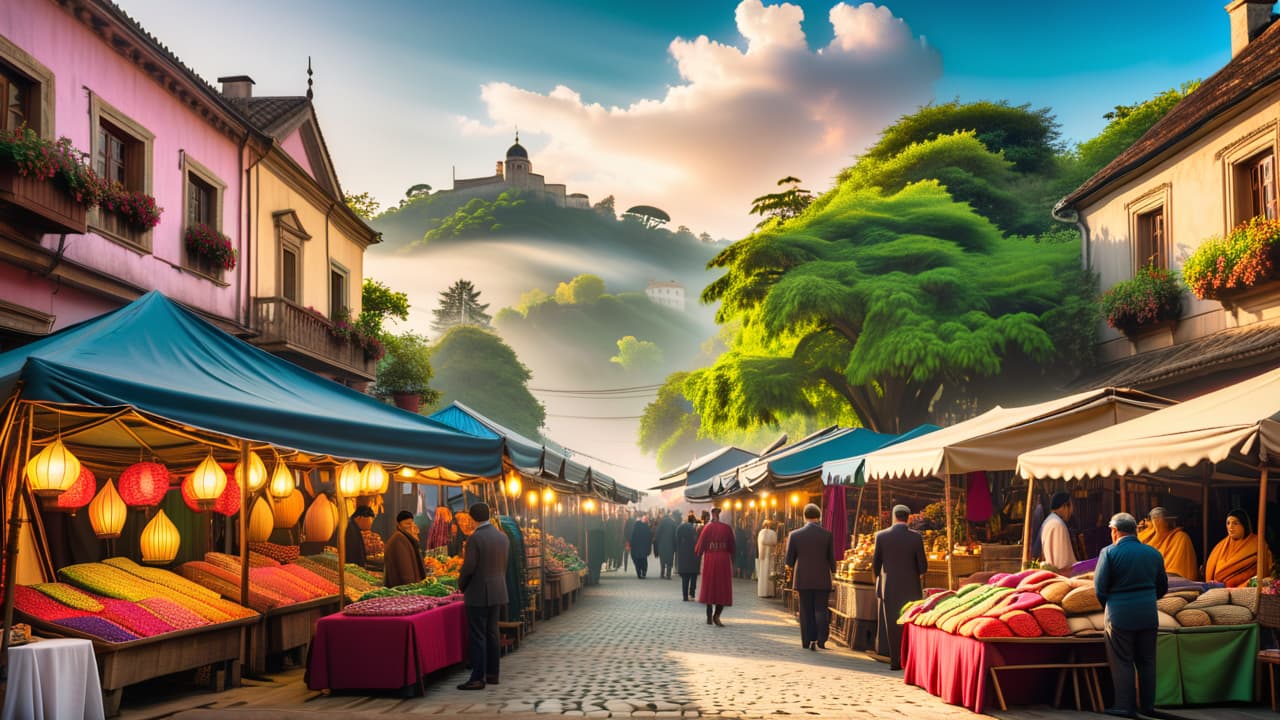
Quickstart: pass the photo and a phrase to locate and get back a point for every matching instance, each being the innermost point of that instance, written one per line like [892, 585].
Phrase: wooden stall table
[53, 679]
[371, 653]
[285, 628]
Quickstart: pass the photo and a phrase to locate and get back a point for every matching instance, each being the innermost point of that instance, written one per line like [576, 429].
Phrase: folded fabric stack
[394, 605]
[358, 580]
[271, 585]
[123, 579]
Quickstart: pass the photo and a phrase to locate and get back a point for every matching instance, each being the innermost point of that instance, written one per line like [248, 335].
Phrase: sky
[695, 107]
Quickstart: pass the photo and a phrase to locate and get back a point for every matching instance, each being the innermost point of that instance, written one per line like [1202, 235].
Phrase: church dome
[517, 151]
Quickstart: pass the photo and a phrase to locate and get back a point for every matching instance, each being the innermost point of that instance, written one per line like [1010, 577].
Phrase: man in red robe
[716, 548]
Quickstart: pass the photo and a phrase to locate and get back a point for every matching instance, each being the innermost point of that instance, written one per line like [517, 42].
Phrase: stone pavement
[631, 648]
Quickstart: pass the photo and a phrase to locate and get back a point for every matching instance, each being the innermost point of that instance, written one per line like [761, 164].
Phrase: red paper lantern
[228, 503]
[79, 494]
[144, 484]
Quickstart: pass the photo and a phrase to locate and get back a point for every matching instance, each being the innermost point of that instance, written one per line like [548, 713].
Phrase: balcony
[301, 336]
[39, 206]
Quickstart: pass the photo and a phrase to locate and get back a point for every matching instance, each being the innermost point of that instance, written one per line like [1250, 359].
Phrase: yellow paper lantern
[159, 540]
[107, 512]
[257, 473]
[261, 522]
[533, 498]
[321, 520]
[53, 470]
[374, 479]
[773, 502]
[207, 482]
[548, 496]
[287, 510]
[408, 472]
[589, 505]
[751, 504]
[281, 482]
[737, 505]
[349, 479]
[513, 485]
[795, 498]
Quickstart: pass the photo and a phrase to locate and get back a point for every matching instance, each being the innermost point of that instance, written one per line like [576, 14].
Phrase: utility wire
[595, 417]
[600, 391]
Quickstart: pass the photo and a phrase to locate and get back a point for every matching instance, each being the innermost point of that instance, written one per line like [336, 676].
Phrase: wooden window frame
[193, 170]
[99, 111]
[1237, 158]
[1156, 199]
[291, 235]
[44, 90]
[338, 268]
[288, 245]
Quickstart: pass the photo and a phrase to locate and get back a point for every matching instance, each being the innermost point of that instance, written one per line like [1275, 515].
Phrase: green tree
[669, 426]
[377, 303]
[460, 305]
[582, 290]
[606, 207]
[416, 191]
[784, 205]
[406, 367]
[362, 204]
[634, 354]
[648, 215]
[475, 367]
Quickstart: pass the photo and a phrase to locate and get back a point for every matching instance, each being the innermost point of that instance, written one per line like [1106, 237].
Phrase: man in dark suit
[641, 545]
[811, 556]
[483, 581]
[1129, 579]
[898, 563]
[664, 543]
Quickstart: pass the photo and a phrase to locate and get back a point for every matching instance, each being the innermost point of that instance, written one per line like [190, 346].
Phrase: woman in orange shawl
[1173, 543]
[1235, 560]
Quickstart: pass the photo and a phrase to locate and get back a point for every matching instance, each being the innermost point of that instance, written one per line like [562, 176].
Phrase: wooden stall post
[244, 523]
[857, 515]
[1262, 522]
[342, 539]
[879, 503]
[1204, 513]
[17, 446]
[951, 542]
[1026, 523]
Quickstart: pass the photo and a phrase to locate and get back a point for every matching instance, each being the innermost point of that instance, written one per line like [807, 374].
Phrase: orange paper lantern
[321, 519]
[261, 522]
[287, 510]
[78, 495]
[159, 541]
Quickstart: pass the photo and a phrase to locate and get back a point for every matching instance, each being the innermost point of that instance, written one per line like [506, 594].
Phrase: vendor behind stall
[361, 519]
[402, 561]
[1234, 561]
[1163, 534]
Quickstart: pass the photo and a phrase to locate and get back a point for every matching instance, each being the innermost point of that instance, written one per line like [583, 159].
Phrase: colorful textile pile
[441, 529]
[325, 565]
[279, 553]
[270, 586]
[393, 605]
[123, 579]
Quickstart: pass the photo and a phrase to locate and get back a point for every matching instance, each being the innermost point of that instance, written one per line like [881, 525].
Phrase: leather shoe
[1120, 712]
[490, 679]
[813, 646]
[717, 621]
[472, 685]
[822, 646]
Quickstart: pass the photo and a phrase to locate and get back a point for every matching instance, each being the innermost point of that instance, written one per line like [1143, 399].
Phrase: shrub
[1244, 258]
[1152, 296]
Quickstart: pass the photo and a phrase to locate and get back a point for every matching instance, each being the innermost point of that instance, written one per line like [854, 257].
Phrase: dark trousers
[482, 629]
[665, 566]
[889, 632]
[1127, 651]
[641, 561]
[714, 610]
[689, 585]
[815, 618]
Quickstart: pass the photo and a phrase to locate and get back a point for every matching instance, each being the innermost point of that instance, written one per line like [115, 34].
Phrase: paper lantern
[589, 505]
[349, 479]
[548, 495]
[321, 519]
[261, 522]
[207, 482]
[107, 512]
[257, 473]
[281, 481]
[144, 484]
[513, 485]
[533, 498]
[159, 541]
[79, 494]
[287, 510]
[54, 470]
[374, 479]
[228, 503]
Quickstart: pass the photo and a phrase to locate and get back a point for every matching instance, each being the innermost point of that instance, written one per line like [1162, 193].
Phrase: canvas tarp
[994, 439]
[1238, 421]
[526, 455]
[850, 470]
[704, 467]
[163, 361]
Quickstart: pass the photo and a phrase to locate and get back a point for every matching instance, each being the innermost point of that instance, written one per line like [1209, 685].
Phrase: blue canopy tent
[849, 470]
[531, 457]
[703, 468]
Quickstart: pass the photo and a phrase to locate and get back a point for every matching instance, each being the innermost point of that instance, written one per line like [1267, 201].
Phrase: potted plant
[208, 243]
[405, 371]
[1245, 258]
[1152, 297]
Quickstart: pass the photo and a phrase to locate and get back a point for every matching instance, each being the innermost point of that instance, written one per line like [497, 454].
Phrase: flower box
[1152, 336]
[41, 205]
[1252, 304]
[1151, 299]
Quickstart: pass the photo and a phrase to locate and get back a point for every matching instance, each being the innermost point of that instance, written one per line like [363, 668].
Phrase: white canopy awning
[1242, 420]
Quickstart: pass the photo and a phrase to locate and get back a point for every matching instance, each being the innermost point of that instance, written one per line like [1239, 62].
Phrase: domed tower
[518, 166]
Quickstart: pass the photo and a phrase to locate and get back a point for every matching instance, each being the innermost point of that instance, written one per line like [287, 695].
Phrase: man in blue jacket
[1129, 579]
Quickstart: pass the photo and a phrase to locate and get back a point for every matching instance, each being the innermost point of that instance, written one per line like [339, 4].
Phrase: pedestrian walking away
[899, 565]
[811, 556]
[664, 542]
[483, 582]
[716, 548]
[766, 540]
[687, 563]
[641, 543]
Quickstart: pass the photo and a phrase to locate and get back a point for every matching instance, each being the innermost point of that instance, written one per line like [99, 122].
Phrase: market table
[356, 652]
[53, 679]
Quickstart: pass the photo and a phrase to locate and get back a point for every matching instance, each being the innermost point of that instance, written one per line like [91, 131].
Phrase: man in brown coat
[402, 562]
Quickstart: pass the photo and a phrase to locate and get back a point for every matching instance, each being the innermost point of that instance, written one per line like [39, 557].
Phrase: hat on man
[1124, 522]
[403, 515]
[363, 511]
[1059, 499]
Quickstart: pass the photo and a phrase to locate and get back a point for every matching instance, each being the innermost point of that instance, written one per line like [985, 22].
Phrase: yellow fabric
[1179, 555]
[1145, 534]
[1233, 562]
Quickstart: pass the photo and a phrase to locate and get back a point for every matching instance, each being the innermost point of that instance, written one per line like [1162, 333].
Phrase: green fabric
[1207, 665]
[1168, 671]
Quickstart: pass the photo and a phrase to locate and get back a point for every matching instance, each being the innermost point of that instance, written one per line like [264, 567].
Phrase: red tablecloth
[385, 652]
[957, 669]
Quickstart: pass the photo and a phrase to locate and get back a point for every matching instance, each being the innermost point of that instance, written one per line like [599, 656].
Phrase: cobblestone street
[631, 648]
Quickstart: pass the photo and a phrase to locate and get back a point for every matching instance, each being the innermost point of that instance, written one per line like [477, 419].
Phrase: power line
[599, 391]
[595, 417]
[641, 396]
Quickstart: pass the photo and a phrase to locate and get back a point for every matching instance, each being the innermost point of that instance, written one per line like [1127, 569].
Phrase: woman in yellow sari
[1173, 543]
[1235, 560]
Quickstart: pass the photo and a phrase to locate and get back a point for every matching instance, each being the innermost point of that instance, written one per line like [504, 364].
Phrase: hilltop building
[516, 173]
[667, 293]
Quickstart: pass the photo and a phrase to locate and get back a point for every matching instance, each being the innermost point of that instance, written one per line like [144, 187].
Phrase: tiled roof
[271, 115]
[1236, 346]
[1256, 67]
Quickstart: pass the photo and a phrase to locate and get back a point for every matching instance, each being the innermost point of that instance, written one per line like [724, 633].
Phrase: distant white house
[667, 293]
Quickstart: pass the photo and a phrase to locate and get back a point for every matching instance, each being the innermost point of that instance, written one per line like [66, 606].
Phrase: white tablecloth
[53, 680]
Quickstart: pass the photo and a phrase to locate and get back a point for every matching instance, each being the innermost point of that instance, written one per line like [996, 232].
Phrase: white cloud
[737, 121]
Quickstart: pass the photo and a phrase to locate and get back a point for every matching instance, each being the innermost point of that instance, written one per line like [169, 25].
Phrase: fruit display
[857, 558]
[123, 579]
[325, 565]
[450, 565]
[562, 556]
[431, 587]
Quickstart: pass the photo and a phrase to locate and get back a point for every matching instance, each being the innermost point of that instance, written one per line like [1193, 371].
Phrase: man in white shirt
[1055, 536]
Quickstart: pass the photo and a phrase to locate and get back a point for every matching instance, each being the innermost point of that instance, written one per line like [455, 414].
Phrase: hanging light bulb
[513, 485]
[160, 539]
[408, 472]
[532, 498]
[53, 470]
[281, 481]
[751, 503]
[207, 482]
[737, 505]
[349, 479]
[374, 479]
[548, 496]
[107, 512]
[589, 505]
[257, 473]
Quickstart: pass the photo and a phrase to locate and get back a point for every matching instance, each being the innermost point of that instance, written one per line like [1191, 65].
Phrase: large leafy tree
[378, 303]
[460, 305]
[475, 367]
[362, 204]
[637, 355]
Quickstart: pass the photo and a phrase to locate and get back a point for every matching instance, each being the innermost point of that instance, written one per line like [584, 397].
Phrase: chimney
[239, 86]
[1248, 19]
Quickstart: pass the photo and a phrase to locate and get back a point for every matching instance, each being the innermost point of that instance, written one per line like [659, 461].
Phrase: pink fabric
[385, 652]
[716, 546]
[1037, 577]
[835, 517]
[977, 502]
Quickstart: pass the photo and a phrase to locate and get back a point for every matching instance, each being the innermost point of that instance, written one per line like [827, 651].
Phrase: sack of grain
[1055, 591]
[1167, 621]
[1210, 598]
[1171, 604]
[1229, 615]
[1081, 601]
[1245, 597]
[1193, 618]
